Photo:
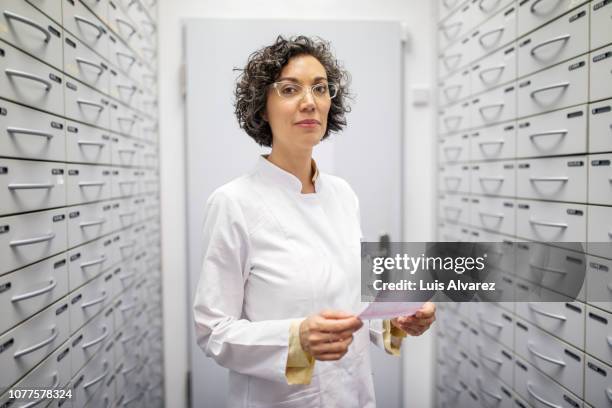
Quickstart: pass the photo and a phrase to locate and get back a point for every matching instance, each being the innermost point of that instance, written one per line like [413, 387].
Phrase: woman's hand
[326, 336]
[418, 323]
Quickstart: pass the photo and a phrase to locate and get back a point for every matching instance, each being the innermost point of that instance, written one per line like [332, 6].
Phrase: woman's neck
[298, 164]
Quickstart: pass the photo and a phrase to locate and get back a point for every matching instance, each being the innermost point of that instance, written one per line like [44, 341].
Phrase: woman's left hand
[418, 323]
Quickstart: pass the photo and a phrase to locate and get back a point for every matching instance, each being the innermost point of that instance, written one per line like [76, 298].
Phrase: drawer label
[603, 109]
[577, 16]
[575, 114]
[63, 354]
[56, 172]
[5, 287]
[59, 264]
[596, 369]
[61, 309]
[4, 228]
[572, 211]
[73, 172]
[75, 257]
[56, 125]
[601, 4]
[603, 56]
[72, 129]
[575, 163]
[3, 111]
[74, 214]
[577, 65]
[55, 78]
[600, 162]
[71, 86]
[60, 217]
[6, 345]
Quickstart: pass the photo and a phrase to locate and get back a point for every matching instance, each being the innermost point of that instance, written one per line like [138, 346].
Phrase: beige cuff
[392, 338]
[300, 364]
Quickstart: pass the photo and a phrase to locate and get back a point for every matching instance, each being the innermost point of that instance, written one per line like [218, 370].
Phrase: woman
[281, 271]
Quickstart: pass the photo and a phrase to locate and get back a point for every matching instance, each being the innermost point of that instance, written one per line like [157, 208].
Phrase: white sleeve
[253, 348]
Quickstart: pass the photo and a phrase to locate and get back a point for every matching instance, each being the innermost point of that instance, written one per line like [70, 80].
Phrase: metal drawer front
[127, 212]
[87, 144]
[455, 88]
[555, 133]
[601, 12]
[599, 279]
[150, 156]
[454, 57]
[551, 222]
[86, 105]
[31, 31]
[454, 208]
[28, 81]
[82, 23]
[85, 65]
[29, 343]
[559, 179]
[88, 222]
[455, 118]
[92, 339]
[126, 182]
[600, 125]
[494, 178]
[600, 231]
[496, 323]
[494, 358]
[600, 179]
[494, 142]
[127, 152]
[125, 89]
[534, 13]
[124, 120]
[52, 8]
[558, 41]
[598, 330]
[598, 389]
[494, 106]
[99, 8]
[455, 178]
[90, 379]
[563, 85]
[494, 70]
[601, 74]
[25, 239]
[149, 182]
[86, 183]
[89, 300]
[31, 185]
[89, 261]
[31, 289]
[495, 33]
[30, 134]
[493, 214]
[446, 7]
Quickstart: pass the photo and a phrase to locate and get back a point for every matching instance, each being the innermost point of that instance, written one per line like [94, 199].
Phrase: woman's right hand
[326, 336]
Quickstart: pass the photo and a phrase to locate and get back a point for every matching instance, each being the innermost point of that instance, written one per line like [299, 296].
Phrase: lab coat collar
[283, 177]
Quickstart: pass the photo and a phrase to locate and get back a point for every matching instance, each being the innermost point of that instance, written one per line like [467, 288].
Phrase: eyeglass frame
[275, 86]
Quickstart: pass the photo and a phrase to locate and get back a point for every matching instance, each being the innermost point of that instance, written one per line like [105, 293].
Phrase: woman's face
[298, 122]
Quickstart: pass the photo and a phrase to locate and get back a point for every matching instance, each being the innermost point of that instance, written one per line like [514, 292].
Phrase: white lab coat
[272, 255]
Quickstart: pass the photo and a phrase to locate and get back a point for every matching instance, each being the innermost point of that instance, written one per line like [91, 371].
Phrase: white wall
[419, 154]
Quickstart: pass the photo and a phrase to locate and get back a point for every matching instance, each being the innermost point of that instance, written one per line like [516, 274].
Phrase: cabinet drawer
[494, 358]
[559, 179]
[598, 388]
[554, 133]
[496, 323]
[87, 144]
[551, 222]
[600, 231]
[85, 65]
[598, 330]
[126, 182]
[558, 41]
[494, 106]
[601, 74]
[92, 339]
[601, 12]
[28, 29]
[29, 343]
[493, 214]
[99, 8]
[454, 57]
[125, 275]
[122, 25]
[492, 391]
[446, 7]
[89, 300]
[83, 24]
[122, 57]
[455, 178]
[150, 182]
[451, 29]
[31, 185]
[455, 208]
[495, 33]
[454, 88]
[127, 212]
[455, 118]
[127, 152]
[150, 156]
[599, 282]
[536, 13]
[88, 222]
[86, 183]
[494, 70]
[600, 126]
[600, 179]
[124, 89]
[563, 85]
[26, 238]
[86, 105]
[30, 82]
[31, 289]
[30, 134]
[493, 178]
[91, 378]
[52, 8]
[124, 120]
[493, 142]
[88, 261]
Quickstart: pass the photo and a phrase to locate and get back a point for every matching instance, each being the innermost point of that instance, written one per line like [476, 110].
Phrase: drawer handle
[498, 179]
[548, 224]
[128, 339]
[492, 142]
[127, 307]
[90, 103]
[127, 182]
[89, 143]
[609, 394]
[90, 23]
[131, 120]
[91, 183]
[97, 379]
[131, 88]
[30, 186]
[533, 6]
[559, 179]
[492, 215]
[486, 392]
[545, 269]
[92, 223]
[95, 301]
[563, 85]
[30, 241]
[537, 397]
[488, 33]
[544, 357]
[28, 350]
[49, 288]
[458, 87]
[445, 29]
[128, 56]
[565, 38]
[131, 244]
[488, 358]
[448, 57]
[499, 68]
[486, 10]
[457, 118]
[547, 314]
[549, 133]
[38, 401]
[128, 214]
[91, 64]
[98, 340]
[498, 326]
[22, 131]
[26, 75]
[29, 22]
[98, 261]
[130, 151]
[610, 232]
[493, 105]
[128, 25]
[126, 276]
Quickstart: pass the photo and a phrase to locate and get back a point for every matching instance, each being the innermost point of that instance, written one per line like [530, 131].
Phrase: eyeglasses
[292, 90]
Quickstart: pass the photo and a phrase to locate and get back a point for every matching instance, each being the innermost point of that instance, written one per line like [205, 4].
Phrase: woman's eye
[289, 89]
[320, 89]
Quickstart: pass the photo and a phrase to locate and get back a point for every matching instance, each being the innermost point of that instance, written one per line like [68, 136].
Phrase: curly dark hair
[264, 67]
